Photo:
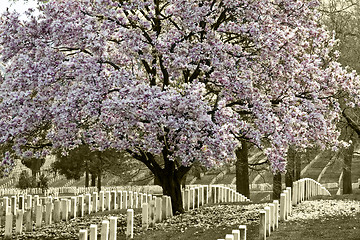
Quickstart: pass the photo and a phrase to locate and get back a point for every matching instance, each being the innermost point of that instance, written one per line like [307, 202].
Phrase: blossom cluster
[191, 77]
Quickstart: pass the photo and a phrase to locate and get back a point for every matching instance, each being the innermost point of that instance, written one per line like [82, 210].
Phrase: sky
[20, 5]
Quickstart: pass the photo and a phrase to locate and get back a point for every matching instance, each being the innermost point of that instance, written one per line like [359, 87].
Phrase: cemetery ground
[333, 217]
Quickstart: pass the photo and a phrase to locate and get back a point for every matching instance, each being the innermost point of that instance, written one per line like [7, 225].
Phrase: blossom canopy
[181, 79]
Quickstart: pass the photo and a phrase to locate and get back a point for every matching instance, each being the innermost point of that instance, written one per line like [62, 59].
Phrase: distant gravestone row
[54, 191]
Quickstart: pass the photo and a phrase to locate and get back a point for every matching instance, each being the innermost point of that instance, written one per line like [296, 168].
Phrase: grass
[330, 228]
[194, 233]
[341, 227]
[336, 227]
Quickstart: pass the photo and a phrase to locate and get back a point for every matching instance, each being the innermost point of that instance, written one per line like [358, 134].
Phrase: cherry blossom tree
[171, 82]
[342, 17]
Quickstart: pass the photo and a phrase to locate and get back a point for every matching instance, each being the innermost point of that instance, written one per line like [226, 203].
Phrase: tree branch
[351, 122]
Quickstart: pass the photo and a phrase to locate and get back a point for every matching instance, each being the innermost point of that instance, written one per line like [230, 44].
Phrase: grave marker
[145, 216]
[28, 220]
[87, 203]
[242, 229]
[268, 221]
[38, 210]
[262, 227]
[113, 228]
[48, 214]
[83, 234]
[94, 202]
[57, 210]
[282, 206]
[19, 221]
[74, 207]
[93, 232]
[105, 230]
[130, 224]
[158, 210]
[236, 234]
[8, 225]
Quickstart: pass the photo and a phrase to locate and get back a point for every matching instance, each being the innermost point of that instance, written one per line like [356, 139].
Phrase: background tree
[82, 161]
[34, 164]
[342, 17]
[170, 82]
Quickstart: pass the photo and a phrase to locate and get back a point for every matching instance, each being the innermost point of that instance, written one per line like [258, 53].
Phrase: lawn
[342, 227]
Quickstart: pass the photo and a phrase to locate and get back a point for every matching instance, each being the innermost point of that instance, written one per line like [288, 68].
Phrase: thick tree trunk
[276, 186]
[170, 176]
[348, 156]
[157, 181]
[242, 169]
[172, 187]
[289, 176]
[170, 180]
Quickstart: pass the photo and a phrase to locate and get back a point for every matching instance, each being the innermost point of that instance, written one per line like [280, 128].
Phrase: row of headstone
[306, 188]
[238, 234]
[302, 189]
[55, 178]
[45, 210]
[220, 194]
[154, 210]
[108, 229]
[271, 214]
[157, 209]
[8, 184]
[197, 195]
[75, 190]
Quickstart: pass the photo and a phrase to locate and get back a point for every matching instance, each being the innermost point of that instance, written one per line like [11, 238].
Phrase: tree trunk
[86, 178]
[93, 180]
[86, 173]
[99, 181]
[183, 181]
[172, 187]
[276, 186]
[242, 169]
[170, 177]
[36, 164]
[157, 181]
[289, 176]
[297, 171]
[348, 156]
[170, 180]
